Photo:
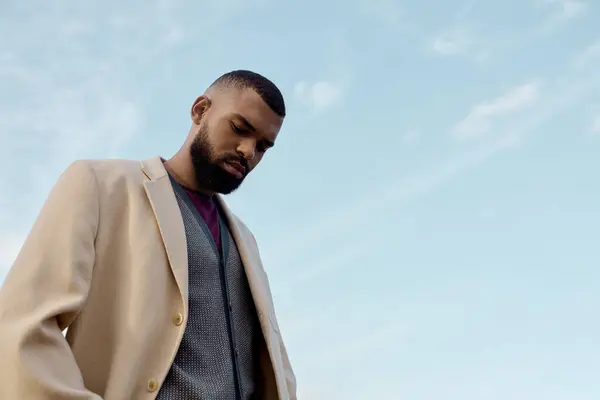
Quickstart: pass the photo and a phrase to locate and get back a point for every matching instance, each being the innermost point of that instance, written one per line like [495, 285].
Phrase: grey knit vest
[218, 356]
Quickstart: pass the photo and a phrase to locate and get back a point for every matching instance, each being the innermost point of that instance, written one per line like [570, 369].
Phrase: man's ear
[199, 108]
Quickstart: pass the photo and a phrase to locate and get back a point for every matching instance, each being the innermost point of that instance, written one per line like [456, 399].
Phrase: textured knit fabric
[217, 358]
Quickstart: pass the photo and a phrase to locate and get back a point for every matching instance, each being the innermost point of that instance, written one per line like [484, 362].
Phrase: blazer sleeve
[290, 378]
[44, 291]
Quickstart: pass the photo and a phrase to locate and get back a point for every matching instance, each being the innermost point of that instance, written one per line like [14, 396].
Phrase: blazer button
[152, 385]
[177, 319]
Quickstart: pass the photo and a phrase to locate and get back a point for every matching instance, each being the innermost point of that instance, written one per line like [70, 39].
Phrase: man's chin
[229, 187]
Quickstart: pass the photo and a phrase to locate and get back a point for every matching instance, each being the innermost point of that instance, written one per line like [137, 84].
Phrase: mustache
[231, 158]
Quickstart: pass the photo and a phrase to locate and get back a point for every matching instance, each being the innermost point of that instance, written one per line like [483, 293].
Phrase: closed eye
[261, 146]
[237, 129]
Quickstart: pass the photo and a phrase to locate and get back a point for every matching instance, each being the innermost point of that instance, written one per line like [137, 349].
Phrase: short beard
[209, 175]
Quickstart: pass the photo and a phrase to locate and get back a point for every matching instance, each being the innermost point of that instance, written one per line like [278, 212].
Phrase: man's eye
[236, 128]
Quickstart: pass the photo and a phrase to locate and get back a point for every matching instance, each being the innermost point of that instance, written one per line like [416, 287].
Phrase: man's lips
[234, 168]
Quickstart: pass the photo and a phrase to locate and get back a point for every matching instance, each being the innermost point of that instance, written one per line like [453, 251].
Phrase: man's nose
[247, 150]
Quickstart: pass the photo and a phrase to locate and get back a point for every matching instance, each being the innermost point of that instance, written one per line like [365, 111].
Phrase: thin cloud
[461, 41]
[562, 11]
[480, 119]
[345, 216]
[453, 42]
[566, 9]
[319, 96]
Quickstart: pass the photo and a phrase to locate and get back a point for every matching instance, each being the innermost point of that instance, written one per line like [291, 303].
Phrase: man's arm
[290, 378]
[44, 291]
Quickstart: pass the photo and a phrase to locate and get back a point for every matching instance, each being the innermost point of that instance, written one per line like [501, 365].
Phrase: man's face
[233, 134]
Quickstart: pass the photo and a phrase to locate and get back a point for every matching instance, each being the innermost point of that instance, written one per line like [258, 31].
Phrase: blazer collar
[153, 168]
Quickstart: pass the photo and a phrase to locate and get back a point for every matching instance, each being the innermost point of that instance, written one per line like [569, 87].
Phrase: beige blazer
[107, 259]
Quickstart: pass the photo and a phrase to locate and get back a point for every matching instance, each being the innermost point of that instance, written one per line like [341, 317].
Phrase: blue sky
[430, 217]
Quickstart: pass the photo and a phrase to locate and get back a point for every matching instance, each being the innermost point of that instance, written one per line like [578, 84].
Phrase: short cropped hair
[267, 90]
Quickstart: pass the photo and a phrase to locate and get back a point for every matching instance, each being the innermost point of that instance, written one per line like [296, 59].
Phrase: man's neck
[183, 174]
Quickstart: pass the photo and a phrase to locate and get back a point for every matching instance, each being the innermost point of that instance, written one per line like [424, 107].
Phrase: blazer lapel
[166, 210]
[252, 266]
[261, 293]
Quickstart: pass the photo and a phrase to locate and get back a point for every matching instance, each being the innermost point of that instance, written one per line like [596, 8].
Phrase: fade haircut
[243, 79]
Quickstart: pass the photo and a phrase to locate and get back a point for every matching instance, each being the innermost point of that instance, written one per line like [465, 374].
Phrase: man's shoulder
[112, 165]
[110, 169]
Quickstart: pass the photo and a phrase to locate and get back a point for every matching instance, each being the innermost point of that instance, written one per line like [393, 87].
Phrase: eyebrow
[244, 121]
[251, 127]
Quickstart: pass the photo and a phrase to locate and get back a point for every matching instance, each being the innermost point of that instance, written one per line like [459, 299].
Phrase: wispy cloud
[347, 215]
[461, 41]
[561, 11]
[453, 42]
[480, 119]
[458, 38]
[319, 96]
[566, 91]
[566, 9]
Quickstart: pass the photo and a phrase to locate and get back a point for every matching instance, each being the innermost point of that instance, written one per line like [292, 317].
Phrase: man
[160, 286]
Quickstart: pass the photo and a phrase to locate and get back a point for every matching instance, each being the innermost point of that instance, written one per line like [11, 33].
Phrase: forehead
[248, 104]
